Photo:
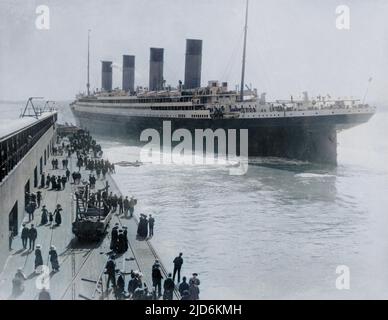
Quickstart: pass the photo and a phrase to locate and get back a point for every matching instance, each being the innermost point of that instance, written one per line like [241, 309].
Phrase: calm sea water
[281, 230]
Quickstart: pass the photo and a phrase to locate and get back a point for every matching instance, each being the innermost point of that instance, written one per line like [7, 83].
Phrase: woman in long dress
[57, 213]
[54, 259]
[38, 257]
[44, 218]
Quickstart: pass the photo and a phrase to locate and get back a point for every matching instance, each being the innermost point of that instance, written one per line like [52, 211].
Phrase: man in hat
[132, 204]
[120, 204]
[151, 222]
[67, 174]
[178, 261]
[32, 235]
[39, 198]
[110, 270]
[126, 206]
[24, 235]
[31, 206]
[64, 180]
[157, 278]
[132, 283]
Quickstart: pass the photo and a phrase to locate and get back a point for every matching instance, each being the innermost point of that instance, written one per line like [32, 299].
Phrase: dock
[81, 274]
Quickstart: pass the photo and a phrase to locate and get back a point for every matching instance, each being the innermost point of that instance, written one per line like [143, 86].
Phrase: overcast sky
[293, 45]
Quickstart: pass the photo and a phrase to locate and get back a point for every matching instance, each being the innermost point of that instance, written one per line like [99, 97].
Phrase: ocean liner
[304, 129]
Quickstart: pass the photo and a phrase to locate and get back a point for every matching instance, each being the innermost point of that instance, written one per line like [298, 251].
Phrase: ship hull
[311, 139]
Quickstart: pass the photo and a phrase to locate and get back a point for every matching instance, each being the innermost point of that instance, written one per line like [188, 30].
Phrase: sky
[293, 45]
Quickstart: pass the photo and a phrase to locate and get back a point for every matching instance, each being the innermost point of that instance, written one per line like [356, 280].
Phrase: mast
[244, 54]
[88, 83]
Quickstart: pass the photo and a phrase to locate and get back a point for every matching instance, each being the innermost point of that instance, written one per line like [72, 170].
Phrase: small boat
[129, 164]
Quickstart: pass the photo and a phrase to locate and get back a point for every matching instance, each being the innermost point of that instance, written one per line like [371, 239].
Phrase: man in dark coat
[30, 210]
[126, 206]
[114, 237]
[125, 233]
[48, 180]
[121, 242]
[53, 182]
[67, 174]
[151, 222]
[74, 176]
[168, 287]
[120, 288]
[114, 201]
[110, 270]
[157, 278]
[59, 179]
[178, 261]
[42, 180]
[25, 236]
[183, 286]
[132, 284]
[38, 198]
[32, 235]
[63, 180]
[120, 204]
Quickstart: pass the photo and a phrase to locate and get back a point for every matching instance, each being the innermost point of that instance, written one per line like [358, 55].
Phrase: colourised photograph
[193, 150]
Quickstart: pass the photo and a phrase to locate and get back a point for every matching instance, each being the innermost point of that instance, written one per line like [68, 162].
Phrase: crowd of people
[135, 288]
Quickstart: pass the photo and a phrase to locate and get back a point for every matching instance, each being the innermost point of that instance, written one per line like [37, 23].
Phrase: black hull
[311, 139]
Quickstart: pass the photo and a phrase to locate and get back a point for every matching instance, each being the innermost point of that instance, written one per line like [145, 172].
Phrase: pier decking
[81, 264]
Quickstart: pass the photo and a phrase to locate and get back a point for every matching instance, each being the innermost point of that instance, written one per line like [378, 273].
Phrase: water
[278, 232]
